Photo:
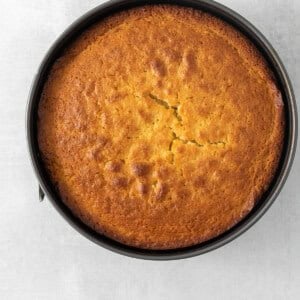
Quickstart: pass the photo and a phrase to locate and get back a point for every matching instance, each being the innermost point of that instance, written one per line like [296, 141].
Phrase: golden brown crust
[162, 126]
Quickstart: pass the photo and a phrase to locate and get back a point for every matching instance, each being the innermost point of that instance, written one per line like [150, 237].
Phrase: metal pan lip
[290, 139]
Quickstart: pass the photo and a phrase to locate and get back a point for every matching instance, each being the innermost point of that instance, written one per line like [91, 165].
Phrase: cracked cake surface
[161, 126]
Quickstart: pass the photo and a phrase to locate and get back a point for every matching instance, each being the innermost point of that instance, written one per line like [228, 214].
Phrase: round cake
[161, 126]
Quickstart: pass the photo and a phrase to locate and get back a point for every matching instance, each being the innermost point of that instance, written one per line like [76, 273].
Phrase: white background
[42, 257]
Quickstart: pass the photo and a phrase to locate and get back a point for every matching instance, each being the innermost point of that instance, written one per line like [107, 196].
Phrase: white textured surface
[41, 257]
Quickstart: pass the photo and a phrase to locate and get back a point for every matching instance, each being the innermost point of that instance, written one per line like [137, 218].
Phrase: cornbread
[161, 126]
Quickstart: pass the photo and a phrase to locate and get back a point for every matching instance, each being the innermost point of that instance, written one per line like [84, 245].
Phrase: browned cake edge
[256, 62]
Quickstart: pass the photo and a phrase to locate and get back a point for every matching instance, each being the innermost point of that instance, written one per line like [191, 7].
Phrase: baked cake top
[161, 126]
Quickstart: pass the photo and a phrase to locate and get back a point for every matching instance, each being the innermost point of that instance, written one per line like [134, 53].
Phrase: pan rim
[291, 139]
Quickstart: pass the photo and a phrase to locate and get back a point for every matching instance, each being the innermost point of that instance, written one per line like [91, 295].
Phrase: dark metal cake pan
[241, 24]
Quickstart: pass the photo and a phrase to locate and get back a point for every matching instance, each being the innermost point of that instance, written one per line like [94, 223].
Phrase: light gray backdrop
[41, 257]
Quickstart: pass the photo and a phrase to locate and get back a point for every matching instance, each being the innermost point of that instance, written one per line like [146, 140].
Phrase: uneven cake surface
[161, 127]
